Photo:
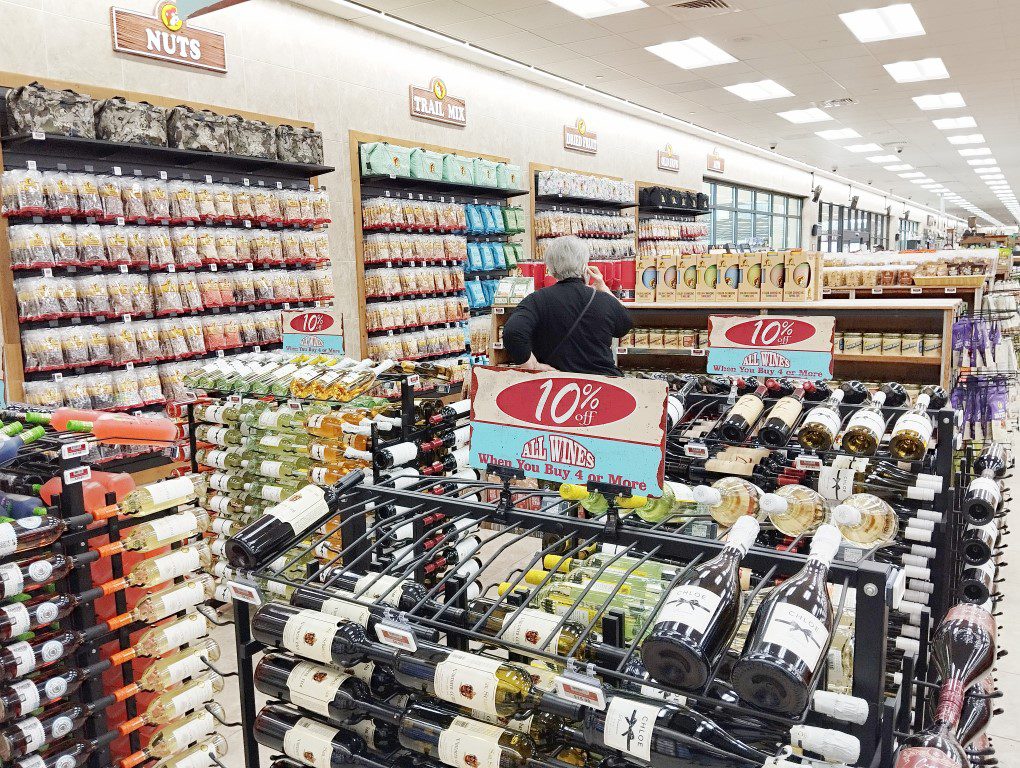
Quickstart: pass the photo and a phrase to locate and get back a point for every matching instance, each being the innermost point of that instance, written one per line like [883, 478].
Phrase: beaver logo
[531, 636]
[467, 691]
[309, 638]
[167, 13]
[319, 676]
[309, 757]
[471, 760]
[439, 88]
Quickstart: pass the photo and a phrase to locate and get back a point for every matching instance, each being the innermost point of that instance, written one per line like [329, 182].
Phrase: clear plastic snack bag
[38, 248]
[125, 390]
[205, 203]
[64, 239]
[74, 342]
[160, 246]
[75, 392]
[194, 336]
[249, 332]
[132, 192]
[123, 344]
[29, 195]
[157, 199]
[191, 295]
[226, 245]
[42, 349]
[244, 203]
[100, 389]
[245, 247]
[185, 244]
[138, 246]
[291, 246]
[110, 196]
[183, 207]
[223, 203]
[141, 296]
[244, 287]
[60, 193]
[99, 344]
[91, 250]
[166, 293]
[118, 294]
[147, 339]
[263, 287]
[90, 203]
[66, 291]
[205, 244]
[115, 243]
[149, 387]
[213, 329]
[209, 289]
[45, 393]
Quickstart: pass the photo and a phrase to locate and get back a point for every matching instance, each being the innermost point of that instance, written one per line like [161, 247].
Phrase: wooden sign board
[774, 346]
[716, 164]
[166, 37]
[578, 138]
[436, 104]
[314, 331]
[668, 160]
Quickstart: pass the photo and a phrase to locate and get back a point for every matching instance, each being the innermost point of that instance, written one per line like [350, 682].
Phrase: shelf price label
[569, 428]
[771, 346]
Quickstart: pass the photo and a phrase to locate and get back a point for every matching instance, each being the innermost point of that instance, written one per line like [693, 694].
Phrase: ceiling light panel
[911, 175]
[940, 101]
[589, 9]
[838, 133]
[979, 152]
[759, 91]
[967, 138]
[812, 115]
[864, 148]
[917, 71]
[694, 53]
[952, 123]
[983, 161]
[883, 158]
[888, 23]
[992, 169]
[900, 167]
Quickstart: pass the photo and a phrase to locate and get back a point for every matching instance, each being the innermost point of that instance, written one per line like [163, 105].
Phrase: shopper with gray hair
[568, 326]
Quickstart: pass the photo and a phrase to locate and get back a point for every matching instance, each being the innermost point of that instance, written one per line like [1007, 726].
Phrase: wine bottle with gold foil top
[795, 509]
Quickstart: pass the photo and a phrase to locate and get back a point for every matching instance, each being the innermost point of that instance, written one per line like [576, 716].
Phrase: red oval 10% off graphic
[770, 333]
[566, 402]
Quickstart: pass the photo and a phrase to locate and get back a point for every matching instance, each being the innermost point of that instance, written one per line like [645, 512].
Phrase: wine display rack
[37, 461]
[566, 533]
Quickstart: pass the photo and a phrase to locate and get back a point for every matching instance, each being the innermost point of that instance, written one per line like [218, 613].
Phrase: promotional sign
[772, 346]
[166, 36]
[313, 331]
[570, 428]
[716, 164]
[436, 104]
[578, 138]
[667, 160]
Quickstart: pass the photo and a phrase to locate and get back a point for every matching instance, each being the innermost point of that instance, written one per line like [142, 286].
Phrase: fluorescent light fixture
[759, 91]
[995, 177]
[888, 23]
[589, 9]
[992, 169]
[900, 167]
[982, 161]
[694, 53]
[967, 138]
[981, 152]
[911, 175]
[951, 123]
[924, 180]
[940, 101]
[883, 158]
[863, 148]
[811, 115]
[917, 71]
[838, 133]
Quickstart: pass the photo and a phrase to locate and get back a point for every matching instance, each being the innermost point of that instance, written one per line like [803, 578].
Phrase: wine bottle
[33, 574]
[177, 736]
[311, 742]
[790, 629]
[262, 541]
[157, 497]
[50, 725]
[174, 668]
[25, 696]
[163, 638]
[821, 424]
[912, 432]
[866, 520]
[29, 533]
[795, 510]
[962, 651]
[159, 605]
[991, 462]
[335, 695]
[694, 626]
[175, 702]
[980, 543]
[866, 426]
[460, 741]
[26, 656]
[977, 583]
[737, 423]
[981, 500]
[934, 747]
[67, 754]
[978, 709]
[199, 755]
[778, 425]
[728, 499]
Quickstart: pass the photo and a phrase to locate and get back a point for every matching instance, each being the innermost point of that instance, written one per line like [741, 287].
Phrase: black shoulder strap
[570, 332]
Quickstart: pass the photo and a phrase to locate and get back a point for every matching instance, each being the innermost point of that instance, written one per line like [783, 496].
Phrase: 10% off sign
[570, 428]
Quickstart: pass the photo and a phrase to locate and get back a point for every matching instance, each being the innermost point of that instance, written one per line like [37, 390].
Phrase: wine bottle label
[317, 451]
[269, 419]
[174, 526]
[216, 459]
[315, 420]
[467, 743]
[629, 726]
[27, 694]
[924, 757]
[35, 761]
[221, 526]
[365, 729]
[690, 606]
[301, 509]
[346, 610]
[403, 453]
[916, 422]
[824, 418]
[271, 441]
[836, 484]
[34, 732]
[872, 421]
[543, 679]
[468, 680]
[796, 630]
[8, 539]
[271, 468]
[168, 490]
[194, 697]
[183, 597]
[310, 742]
[216, 413]
[192, 730]
[986, 484]
[184, 630]
[45, 613]
[313, 687]
[11, 579]
[362, 671]
[217, 435]
[184, 668]
[319, 475]
[178, 563]
[535, 629]
[310, 635]
[220, 481]
[272, 493]
[17, 618]
[55, 688]
[836, 672]
[786, 410]
[24, 658]
[749, 407]
[656, 693]
[39, 571]
[219, 505]
[510, 723]
[375, 587]
[61, 726]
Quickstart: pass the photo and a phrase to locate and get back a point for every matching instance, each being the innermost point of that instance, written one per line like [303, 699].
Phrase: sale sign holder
[313, 331]
[773, 346]
[570, 428]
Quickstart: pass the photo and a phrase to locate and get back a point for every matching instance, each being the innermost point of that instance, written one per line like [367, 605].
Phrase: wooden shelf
[934, 362]
[820, 307]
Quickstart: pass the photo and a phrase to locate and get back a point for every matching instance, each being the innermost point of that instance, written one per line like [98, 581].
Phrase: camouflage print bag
[134, 122]
[299, 145]
[37, 108]
[203, 131]
[251, 138]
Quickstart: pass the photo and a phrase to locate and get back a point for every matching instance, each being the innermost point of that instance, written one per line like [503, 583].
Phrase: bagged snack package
[183, 208]
[194, 336]
[74, 391]
[209, 288]
[149, 387]
[60, 193]
[165, 293]
[244, 203]
[38, 246]
[223, 203]
[147, 339]
[157, 200]
[25, 196]
[66, 292]
[118, 287]
[245, 247]
[74, 344]
[94, 296]
[100, 389]
[290, 206]
[205, 204]
[275, 241]
[115, 244]
[21, 255]
[110, 196]
[262, 200]
[141, 295]
[42, 349]
[138, 246]
[213, 329]
[305, 288]
[320, 206]
[123, 344]
[171, 378]
[172, 343]
[132, 191]
[226, 245]
[291, 245]
[244, 287]
[185, 245]
[99, 345]
[91, 249]
[160, 247]
[125, 390]
[227, 284]
[43, 393]
[231, 329]
[205, 242]
[90, 202]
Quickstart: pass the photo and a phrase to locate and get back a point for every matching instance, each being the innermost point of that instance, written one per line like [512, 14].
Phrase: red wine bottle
[328, 692]
[30, 575]
[934, 747]
[962, 652]
[695, 624]
[17, 618]
[783, 650]
[305, 739]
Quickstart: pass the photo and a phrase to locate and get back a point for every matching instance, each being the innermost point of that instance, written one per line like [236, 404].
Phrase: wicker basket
[949, 281]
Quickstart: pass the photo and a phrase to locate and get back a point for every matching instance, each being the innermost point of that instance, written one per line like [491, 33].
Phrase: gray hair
[566, 257]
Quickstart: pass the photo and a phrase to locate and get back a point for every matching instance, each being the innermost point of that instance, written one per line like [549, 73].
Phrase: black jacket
[543, 318]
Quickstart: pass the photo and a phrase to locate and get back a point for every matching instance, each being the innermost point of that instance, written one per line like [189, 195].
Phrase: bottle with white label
[21, 658]
[728, 499]
[459, 741]
[29, 533]
[67, 754]
[157, 534]
[821, 424]
[311, 742]
[866, 520]
[738, 421]
[174, 703]
[695, 624]
[30, 575]
[166, 637]
[795, 509]
[155, 497]
[777, 426]
[912, 432]
[47, 727]
[20, 698]
[177, 597]
[198, 755]
[325, 691]
[264, 539]
[18, 617]
[158, 570]
[788, 635]
[177, 667]
[180, 734]
[865, 428]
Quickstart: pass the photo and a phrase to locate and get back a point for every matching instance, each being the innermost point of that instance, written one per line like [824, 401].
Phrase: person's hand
[595, 276]
[531, 364]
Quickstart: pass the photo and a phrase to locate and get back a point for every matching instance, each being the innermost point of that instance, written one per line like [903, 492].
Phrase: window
[910, 233]
[750, 218]
[845, 230]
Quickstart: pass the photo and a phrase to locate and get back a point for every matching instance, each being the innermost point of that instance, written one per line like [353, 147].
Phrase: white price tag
[916, 290]
[498, 310]
[808, 462]
[249, 266]
[876, 291]
[129, 366]
[120, 221]
[208, 179]
[116, 170]
[58, 376]
[414, 380]
[244, 593]
[219, 353]
[162, 175]
[32, 166]
[77, 475]
[213, 268]
[586, 694]
[246, 182]
[72, 450]
[951, 289]
[699, 352]
[122, 268]
[171, 268]
[126, 318]
[47, 272]
[826, 291]
[499, 345]
[696, 450]
[396, 637]
[38, 136]
[258, 348]
[279, 185]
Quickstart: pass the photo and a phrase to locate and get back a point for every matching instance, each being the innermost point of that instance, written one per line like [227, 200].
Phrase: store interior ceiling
[876, 125]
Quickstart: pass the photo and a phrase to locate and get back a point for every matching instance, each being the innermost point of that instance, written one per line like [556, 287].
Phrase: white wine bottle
[821, 424]
[912, 433]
